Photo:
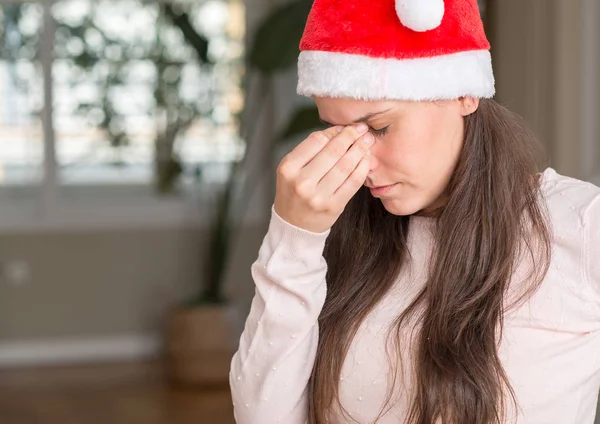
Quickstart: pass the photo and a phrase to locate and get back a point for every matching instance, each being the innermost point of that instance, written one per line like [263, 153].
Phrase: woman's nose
[373, 162]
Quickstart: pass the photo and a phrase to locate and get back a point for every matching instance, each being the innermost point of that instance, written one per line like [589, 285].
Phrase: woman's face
[416, 147]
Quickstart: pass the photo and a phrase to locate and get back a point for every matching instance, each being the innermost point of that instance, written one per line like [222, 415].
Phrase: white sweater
[550, 348]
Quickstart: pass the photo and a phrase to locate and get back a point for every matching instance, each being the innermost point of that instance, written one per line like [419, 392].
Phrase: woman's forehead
[345, 110]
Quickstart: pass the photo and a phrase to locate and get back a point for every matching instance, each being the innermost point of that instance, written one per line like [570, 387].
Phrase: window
[136, 96]
[21, 94]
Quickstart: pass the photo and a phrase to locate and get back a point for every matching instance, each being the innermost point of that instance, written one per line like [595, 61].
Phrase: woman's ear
[468, 105]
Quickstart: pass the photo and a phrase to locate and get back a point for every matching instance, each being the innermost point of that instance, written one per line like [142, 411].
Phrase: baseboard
[79, 350]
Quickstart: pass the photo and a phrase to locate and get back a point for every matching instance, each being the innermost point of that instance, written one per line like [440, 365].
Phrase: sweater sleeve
[592, 243]
[270, 371]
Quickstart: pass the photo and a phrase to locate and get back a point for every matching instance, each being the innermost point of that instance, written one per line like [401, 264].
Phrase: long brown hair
[492, 215]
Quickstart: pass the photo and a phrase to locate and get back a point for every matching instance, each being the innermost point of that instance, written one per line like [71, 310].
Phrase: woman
[421, 265]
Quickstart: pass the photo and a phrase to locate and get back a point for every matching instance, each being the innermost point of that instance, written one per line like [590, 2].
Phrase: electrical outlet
[16, 273]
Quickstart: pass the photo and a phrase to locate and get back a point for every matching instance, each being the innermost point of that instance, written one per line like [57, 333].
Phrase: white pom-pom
[420, 15]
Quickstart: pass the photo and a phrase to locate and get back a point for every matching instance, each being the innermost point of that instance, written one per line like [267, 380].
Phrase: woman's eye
[379, 132]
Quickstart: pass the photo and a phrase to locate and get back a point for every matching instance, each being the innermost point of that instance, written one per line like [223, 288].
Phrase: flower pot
[199, 344]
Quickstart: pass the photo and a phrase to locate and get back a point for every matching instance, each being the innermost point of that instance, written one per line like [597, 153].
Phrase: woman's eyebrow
[361, 119]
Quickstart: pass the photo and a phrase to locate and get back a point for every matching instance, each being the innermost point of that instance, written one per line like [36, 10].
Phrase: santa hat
[395, 49]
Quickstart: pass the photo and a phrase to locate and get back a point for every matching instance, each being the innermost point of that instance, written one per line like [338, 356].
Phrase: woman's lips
[378, 191]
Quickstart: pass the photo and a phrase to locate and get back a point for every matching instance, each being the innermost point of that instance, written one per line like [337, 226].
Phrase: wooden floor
[107, 394]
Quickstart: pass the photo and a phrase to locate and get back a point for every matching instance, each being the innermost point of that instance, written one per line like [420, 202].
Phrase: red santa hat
[395, 49]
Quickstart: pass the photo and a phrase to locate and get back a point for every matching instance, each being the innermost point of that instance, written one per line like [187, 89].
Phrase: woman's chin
[400, 207]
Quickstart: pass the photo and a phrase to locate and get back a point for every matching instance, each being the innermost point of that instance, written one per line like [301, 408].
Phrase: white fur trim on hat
[420, 15]
[330, 74]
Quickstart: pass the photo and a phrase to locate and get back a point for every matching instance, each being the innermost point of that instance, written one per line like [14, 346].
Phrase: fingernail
[368, 138]
[362, 128]
[339, 128]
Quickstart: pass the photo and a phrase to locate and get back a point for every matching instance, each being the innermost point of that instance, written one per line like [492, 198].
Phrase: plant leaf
[276, 44]
[303, 120]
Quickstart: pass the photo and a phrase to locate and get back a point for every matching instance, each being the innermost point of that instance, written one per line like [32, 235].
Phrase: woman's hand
[317, 179]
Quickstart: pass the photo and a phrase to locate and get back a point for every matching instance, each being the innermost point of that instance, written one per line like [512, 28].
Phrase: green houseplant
[274, 49]
[200, 333]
